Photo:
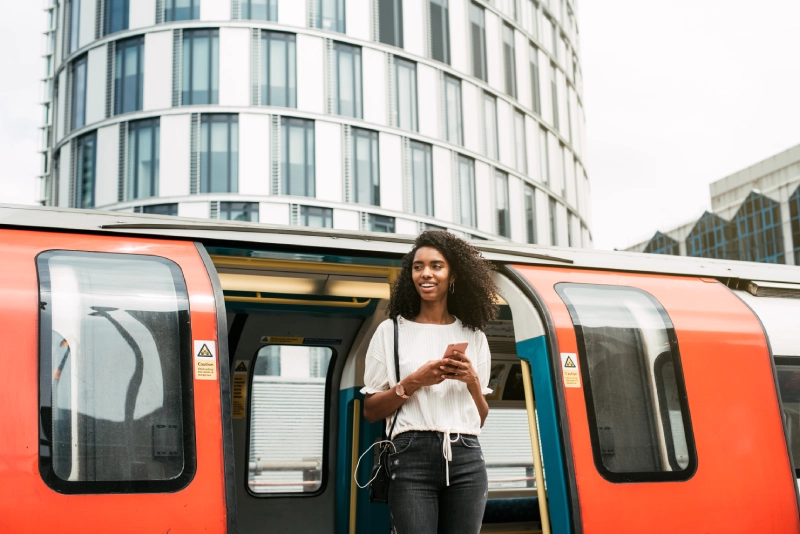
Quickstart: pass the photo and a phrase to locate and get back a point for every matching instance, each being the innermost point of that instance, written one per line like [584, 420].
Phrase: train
[174, 375]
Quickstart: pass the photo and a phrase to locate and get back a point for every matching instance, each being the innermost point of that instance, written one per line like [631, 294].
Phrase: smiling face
[431, 274]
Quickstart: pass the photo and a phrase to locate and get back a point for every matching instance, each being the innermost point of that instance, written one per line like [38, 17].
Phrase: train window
[633, 384]
[789, 384]
[287, 419]
[115, 374]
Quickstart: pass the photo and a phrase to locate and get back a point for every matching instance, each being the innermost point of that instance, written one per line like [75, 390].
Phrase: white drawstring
[355, 472]
[447, 452]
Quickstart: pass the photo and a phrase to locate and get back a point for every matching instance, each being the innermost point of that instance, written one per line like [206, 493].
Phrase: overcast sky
[677, 95]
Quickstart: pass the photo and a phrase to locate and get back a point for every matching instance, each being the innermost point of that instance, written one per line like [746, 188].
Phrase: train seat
[512, 510]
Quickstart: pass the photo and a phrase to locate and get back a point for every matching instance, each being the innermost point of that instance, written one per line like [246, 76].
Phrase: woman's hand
[429, 374]
[458, 367]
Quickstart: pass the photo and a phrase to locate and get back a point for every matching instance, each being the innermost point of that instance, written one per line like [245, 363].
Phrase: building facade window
[79, 68]
[477, 20]
[554, 94]
[129, 75]
[711, 237]
[570, 242]
[406, 91]
[536, 94]
[297, 158]
[554, 37]
[466, 192]
[86, 170]
[794, 210]
[440, 30]
[530, 214]
[143, 158]
[175, 10]
[501, 203]
[533, 23]
[759, 235]
[259, 9]
[238, 211]
[453, 114]
[347, 90]
[74, 11]
[390, 27]
[662, 244]
[544, 157]
[422, 178]
[116, 16]
[278, 69]
[161, 209]
[200, 67]
[521, 142]
[219, 153]
[510, 61]
[330, 15]
[316, 217]
[490, 125]
[562, 168]
[366, 169]
[381, 223]
[551, 207]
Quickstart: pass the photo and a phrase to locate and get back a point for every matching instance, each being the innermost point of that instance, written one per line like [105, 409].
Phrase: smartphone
[460, 347]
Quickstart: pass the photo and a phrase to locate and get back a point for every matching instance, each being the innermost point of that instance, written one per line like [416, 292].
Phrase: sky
[676, 95]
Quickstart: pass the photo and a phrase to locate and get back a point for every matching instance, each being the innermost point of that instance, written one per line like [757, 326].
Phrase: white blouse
[445, 407]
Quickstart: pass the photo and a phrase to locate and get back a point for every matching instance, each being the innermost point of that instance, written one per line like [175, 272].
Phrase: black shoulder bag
[379, 488]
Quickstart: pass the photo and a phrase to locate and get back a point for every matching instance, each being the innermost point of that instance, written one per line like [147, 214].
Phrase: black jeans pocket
[470, 442]
[401, 445]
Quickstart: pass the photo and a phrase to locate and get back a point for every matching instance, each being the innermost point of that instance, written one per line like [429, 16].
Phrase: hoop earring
[452, 287]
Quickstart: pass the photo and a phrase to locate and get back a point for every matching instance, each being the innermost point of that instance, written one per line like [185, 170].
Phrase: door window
[789, 383]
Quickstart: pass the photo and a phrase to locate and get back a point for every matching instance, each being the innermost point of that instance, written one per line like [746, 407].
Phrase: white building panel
[542, 218]
[569, 178]
[576, 232]
[561, 219]
[505, 133]
[517, 209]
[459, 38]
[234, 66]
[107, 177]
[373, 62]
[157, 70]
[254, 154]
[523, 68]
[563, 115]
[414, 27]
[494, 52]
[292, 12]
[406, 226]
[273, 213]
[328, 142]
[175, 155]
[215, 10]
[142, 14]
[196, 210]
[532, 142]
[428, 98]
[60, 105]
[544, 87]
[573, 118]
[96, 85]
[391, 169]
[556, 177]
[310, 73]
[346, 219]
[358, 19]
[471, 113]
[483, 197]
[87, 16]
[442, 184]
[65, 164]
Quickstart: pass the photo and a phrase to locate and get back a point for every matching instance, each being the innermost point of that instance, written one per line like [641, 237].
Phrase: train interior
[299, 329]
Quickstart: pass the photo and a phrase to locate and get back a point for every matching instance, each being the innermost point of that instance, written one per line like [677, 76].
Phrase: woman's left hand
[459, 367]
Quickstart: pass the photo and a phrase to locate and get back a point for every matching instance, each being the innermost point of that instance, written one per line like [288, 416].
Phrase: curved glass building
[380, 115]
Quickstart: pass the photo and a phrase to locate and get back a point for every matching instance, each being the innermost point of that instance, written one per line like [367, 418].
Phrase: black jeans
[420, 501]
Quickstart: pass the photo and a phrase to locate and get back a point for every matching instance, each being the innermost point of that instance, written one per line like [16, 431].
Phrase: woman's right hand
[429, 374]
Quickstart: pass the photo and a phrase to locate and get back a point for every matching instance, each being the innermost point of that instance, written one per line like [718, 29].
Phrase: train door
[666, 389]
[112, 421]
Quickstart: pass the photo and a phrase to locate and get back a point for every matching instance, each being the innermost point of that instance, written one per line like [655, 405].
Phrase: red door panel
[744, 481]
[27, 504]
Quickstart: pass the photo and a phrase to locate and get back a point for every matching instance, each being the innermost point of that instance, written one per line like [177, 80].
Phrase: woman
[443, 295]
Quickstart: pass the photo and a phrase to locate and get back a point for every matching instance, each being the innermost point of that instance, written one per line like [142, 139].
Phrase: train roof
[359, 243]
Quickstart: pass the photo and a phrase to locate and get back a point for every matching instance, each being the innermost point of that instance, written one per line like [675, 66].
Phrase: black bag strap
[396, 371]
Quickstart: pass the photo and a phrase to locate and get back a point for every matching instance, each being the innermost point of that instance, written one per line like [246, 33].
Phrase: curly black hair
[472, 300]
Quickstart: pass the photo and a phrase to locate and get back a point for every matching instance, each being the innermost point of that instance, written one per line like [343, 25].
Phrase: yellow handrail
[354, 462]
[355, 303]
[530, 404]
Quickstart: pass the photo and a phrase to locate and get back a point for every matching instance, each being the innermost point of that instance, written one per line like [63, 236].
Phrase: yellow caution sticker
[205, 360]
[240, 369]
[569, 370]
[282, 340]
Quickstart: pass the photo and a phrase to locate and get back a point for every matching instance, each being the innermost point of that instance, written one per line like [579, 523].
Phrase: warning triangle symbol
[569, 362]
[241, 368]
[205, 352]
